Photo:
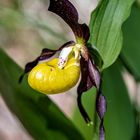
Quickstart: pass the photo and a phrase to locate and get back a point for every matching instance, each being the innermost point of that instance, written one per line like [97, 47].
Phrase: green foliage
[105, 27]
[89, 101]
[119, 119]
[130, 52]
[37, 112]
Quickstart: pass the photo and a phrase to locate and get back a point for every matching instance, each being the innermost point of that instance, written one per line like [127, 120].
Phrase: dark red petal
[86, 82]
[81, 109]
[45, 54]
[102, 132]
[101, 107]
[67, 44]
[69, 14]
[94, 73]
[84, 85]
[90, 77]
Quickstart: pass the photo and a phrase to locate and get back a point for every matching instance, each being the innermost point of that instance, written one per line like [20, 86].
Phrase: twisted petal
[101, 106]
[69, 14]
[84, 85]
[101, 109]
[94, 73]
[90, 77]
[102, 132]
[45, 54]
[86, 82]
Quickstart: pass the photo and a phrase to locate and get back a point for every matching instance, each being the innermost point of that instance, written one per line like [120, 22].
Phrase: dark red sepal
[94, 73]
[82, 32]
[69, 14]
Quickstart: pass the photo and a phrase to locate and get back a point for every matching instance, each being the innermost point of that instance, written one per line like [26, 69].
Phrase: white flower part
[63, 57]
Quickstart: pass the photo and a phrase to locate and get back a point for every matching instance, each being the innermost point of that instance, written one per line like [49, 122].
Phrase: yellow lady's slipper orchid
[48, 78]
[75, 58]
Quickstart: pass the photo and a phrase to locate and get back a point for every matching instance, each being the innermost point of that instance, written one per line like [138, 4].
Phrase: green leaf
[119, 118]
[95, 55]
[88, 101]
[105, 27]
[130, 52]
[39, 115]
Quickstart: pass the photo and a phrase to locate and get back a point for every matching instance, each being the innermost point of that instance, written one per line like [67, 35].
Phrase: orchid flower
[49, 74]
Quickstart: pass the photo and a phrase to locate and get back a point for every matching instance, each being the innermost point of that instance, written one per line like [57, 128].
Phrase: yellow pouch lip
[66, 78]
